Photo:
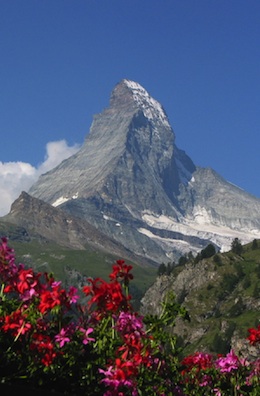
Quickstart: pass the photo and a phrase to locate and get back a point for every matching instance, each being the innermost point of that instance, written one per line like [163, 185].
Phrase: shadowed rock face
[131, 181]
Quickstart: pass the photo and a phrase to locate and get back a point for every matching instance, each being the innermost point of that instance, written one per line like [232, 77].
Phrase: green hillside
[227, 305]
[221, 294]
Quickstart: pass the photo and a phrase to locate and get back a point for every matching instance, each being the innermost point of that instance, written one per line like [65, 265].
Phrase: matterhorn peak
[150, 107]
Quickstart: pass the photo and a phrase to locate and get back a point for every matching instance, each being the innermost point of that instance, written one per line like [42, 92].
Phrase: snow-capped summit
[151, 108]
[131, 181]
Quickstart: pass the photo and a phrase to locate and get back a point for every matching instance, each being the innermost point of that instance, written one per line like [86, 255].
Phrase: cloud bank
[16, 177]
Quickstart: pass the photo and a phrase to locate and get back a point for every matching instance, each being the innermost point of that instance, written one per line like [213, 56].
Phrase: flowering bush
[48, 340]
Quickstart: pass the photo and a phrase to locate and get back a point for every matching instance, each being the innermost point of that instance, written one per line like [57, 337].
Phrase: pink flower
[8, 268]
[255, 372]
[55, 284]
[28, 294]
[85, 332]
[206, 380]
[128, 323]
[62, 337]
[228, 363]
[72, 294]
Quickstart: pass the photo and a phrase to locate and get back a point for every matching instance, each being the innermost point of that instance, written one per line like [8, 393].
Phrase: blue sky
[60, 60]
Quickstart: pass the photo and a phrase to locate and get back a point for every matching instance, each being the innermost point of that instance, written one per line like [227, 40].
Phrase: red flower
[133, 348]
[199, 360]
[121, 272]
[16, 323]
[254, 337]
[125, 369]
[107, 296]
[43, 345]
[28, 283]
[122, 375]
[52, 298]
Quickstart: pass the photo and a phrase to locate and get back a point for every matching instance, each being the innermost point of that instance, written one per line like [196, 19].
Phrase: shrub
[236, 246]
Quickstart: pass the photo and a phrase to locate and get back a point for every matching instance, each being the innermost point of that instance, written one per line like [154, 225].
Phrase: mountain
[131, 182]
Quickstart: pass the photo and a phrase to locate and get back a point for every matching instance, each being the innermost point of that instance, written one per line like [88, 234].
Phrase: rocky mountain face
[131, 182]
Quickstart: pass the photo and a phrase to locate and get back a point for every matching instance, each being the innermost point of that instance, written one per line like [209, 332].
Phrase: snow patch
[152, 109]
[108, 218]
[201, 216]
[198, 225]
[173, 241]
[60, 201]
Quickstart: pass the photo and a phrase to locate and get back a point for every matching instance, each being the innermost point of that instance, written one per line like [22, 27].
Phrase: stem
[113, 328]
[2, 291]
[19, 332]
[126, 291]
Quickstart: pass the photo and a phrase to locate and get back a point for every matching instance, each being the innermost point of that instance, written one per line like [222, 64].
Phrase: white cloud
[56, 152]
[16, 177]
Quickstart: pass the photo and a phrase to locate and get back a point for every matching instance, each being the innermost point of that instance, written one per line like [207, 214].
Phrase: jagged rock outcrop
[133, 183]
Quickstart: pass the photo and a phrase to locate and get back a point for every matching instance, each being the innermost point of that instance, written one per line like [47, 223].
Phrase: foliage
[183, 260]
[236, 246]
[207, 252]
[165, 269]
[48, 340]
[254, 244]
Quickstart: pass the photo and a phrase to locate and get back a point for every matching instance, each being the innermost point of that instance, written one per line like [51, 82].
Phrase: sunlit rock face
[131, 181]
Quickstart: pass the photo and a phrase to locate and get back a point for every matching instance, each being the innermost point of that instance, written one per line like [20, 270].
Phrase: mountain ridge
[41, 220]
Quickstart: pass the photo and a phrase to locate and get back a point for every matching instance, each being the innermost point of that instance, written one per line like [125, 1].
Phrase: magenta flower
[255, 372]
[128, 323]
[62, 338]
[72, 294]
[28, 294]
[85, 332]
[55, 284]
[206, 380]
[228, 363]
